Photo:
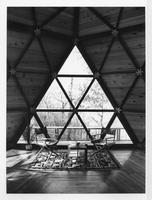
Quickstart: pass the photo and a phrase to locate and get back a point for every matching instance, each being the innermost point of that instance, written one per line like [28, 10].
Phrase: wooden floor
[130, 178]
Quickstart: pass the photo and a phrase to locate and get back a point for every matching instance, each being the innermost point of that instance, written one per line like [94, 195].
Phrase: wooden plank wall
[119, 70]
[34, 57]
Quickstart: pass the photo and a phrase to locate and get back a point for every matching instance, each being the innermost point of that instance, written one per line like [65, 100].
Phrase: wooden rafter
[139, 27]
[101, 17]
[34, 17]
[24, 51]
[128, 128]
[129, 92]
[76, 22]
[50, 78]
[42, 92]
[71, 110]
[75, 75]
[109, 95]
[108, 125]
[51, 17]
[29, 29]
[121, 115]
[128, 51]
[106, 54]
[119, 72]
[119, 17]
[45, 54]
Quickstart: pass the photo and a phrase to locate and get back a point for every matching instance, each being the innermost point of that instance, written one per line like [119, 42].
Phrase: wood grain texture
[20, 28]
[13, 122]
[90, 24]
[130, 178]
[132, 16]
[136, 99]
[14, 97]
[119, 85]
[22, 15]
[32, 85]
[137, 122]
[63, 23]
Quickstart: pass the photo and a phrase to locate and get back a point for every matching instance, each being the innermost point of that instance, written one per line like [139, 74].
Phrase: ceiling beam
[128, 128]
[108, 126]
[31, 71]
[52, 16]
[75, 75]
[119, 72]
[42, 92]
[44, 54]
[128, 51]
[101, 17]
[119, 17]
[76, 22]
[24, 28]
[109, 95]
[70, 110]
[106, 54]
[34, 17]
[138, 27]
[129, 92]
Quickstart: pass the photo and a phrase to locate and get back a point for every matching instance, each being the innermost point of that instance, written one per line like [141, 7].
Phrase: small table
[78, 146]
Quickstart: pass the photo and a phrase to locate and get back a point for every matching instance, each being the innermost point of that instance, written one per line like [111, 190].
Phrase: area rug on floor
[73, 160]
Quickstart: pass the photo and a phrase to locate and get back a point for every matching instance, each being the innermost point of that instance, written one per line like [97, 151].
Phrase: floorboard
[130, 178]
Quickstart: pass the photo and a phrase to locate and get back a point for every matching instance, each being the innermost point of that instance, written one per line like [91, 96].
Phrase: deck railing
[78, 133]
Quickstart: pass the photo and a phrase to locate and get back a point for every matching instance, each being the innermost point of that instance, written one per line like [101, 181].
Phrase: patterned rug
[73, 160]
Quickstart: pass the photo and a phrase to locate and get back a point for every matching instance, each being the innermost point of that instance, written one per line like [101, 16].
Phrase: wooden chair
[109, 140]
[49, 142]
[110, 137]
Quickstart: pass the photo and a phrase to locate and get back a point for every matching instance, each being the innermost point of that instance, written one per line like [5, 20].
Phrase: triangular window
[75, 106]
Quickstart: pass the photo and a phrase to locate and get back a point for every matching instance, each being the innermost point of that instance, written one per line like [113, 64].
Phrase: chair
[49, 142]
[109, 140]
[110, 137]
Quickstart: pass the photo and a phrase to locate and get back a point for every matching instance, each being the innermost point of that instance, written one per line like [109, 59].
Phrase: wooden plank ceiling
[111, 40]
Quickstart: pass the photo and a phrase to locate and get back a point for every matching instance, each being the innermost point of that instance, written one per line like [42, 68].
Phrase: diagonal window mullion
[41, 125]
[63, 90]
[101, 17]
[107, 53]
[21, 90]
[83, 96]
[38, 120]
[119, 17]
[52, 16]
[69, 120]
[108, 125]
[83, 124]
[44, 53]
[128, 51]
[129, 91]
